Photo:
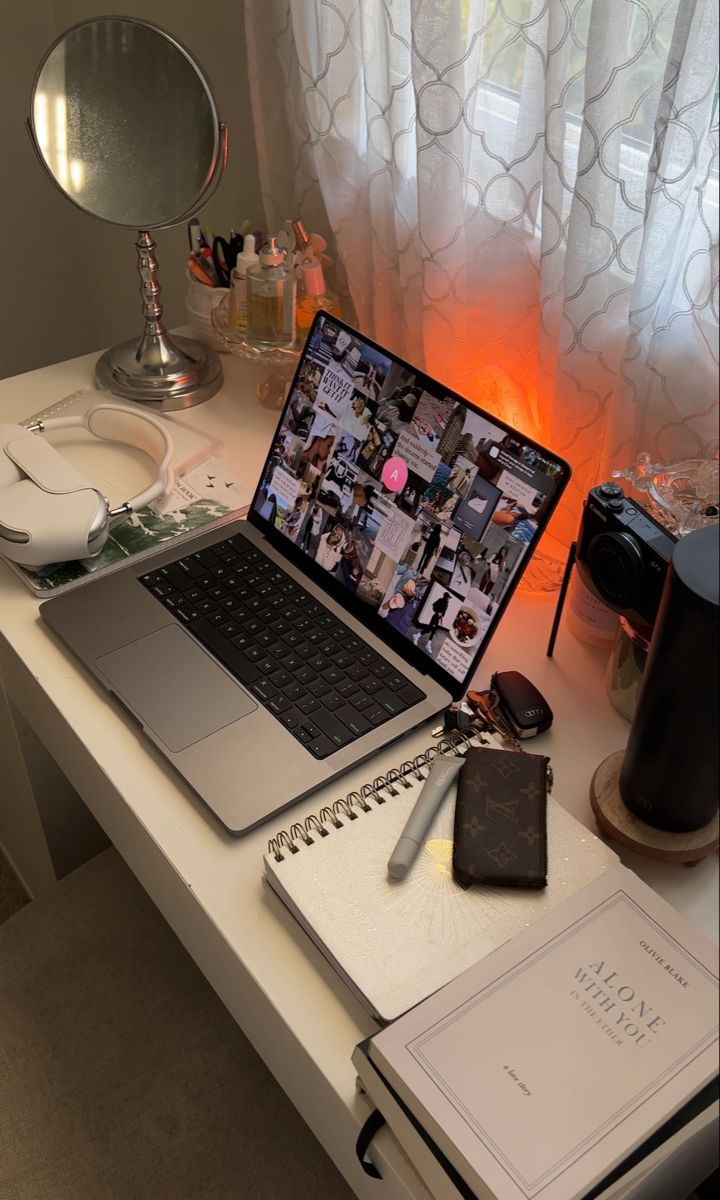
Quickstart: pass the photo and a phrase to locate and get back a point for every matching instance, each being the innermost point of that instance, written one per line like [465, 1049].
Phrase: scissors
[225, 255]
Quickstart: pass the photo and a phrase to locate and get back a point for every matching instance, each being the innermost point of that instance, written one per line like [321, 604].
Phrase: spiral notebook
[395, 942]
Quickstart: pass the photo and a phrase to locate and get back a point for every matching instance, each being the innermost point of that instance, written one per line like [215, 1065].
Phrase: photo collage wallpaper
[415, 501]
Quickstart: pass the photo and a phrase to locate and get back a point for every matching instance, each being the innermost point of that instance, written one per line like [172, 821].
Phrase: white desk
[298, 1015]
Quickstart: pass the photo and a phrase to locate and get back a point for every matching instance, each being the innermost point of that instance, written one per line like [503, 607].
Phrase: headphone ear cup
[39, 528]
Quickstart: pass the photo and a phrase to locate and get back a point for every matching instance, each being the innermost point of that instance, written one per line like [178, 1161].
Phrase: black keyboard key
[349, 689]
[410, 694]
[358, 672]
[263, 688]
[371, 685]
[236, 661]
[317, 688]
[294, 690]
[319, 662]
[362, 702]
[279, 704]
[394, 681]
[308, 705]
[335, 730]
[381, 668]
[321, 747]
[266, 665]
[304, 675]
[278, 624]
[390, 701]
[161, 590]
[207, 558]
[292, 718]
[375, 715]
[190, 567]
[187, 613]
[230, 629]
[279, 650]
[205, 607]
[281, 678]
[356, 723]
[333, 675]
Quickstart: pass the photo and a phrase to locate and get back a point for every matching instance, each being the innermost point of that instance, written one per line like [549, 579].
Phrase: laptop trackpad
[174, 687]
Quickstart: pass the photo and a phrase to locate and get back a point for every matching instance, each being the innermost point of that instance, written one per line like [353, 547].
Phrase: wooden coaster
[617, 822]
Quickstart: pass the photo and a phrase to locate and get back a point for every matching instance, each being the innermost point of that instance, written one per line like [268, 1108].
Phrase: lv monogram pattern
[500, 819]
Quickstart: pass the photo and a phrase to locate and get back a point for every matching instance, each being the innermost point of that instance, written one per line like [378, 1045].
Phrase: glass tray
[235, 343]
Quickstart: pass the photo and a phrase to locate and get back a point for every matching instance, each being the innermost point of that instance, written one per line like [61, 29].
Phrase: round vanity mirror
[124, 122]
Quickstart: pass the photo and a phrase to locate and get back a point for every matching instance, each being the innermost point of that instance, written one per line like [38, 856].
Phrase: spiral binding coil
[335, 815]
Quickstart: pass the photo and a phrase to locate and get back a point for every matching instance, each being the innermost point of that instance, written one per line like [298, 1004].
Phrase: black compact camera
[622, 554]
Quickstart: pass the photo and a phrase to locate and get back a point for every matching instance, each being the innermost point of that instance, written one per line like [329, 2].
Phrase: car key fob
[526, 711]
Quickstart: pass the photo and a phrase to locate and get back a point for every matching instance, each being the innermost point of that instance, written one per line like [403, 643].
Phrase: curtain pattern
[523, 198]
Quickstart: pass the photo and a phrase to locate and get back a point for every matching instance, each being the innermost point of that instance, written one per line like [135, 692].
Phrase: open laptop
[390, 526]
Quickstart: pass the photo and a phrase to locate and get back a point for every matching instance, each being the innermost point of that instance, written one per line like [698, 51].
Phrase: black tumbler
[670, 776]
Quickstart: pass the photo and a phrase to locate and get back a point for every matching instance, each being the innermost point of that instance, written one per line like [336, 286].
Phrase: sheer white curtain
[523, 198]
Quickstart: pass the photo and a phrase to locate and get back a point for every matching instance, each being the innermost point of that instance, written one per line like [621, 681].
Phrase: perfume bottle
[237, 311]
[271, 290]
[315, 296]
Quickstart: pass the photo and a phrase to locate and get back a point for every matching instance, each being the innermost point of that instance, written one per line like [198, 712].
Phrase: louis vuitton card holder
[500, 834]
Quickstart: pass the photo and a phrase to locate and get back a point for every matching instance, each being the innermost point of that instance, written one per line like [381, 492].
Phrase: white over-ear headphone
[48, 512]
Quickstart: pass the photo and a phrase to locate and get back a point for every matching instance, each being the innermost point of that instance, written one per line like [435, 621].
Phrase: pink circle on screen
[395, 474]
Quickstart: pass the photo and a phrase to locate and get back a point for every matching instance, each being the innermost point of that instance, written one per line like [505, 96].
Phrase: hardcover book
[539, 1070]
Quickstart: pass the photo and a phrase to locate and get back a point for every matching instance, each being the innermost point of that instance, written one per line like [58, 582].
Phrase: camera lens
[616, 565]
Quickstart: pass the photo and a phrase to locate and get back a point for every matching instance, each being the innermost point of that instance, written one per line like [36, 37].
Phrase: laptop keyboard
[314, 674]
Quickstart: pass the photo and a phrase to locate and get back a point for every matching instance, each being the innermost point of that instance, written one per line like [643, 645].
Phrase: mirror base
[189, 375]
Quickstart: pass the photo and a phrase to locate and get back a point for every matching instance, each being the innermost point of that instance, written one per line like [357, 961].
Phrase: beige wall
[68, 282]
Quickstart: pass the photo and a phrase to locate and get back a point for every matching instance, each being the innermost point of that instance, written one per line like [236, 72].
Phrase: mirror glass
[125, 123]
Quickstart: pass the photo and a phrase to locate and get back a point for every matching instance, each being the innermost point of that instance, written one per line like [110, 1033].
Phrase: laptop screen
[421, 506]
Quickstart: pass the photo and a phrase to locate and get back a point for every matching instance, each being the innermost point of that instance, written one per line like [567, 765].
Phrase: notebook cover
[543, 1066]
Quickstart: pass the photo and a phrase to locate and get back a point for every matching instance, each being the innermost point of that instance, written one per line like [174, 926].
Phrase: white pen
[442, 773]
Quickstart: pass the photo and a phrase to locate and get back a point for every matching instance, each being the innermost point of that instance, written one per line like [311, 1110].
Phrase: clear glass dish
[235, 343]
[682, 496]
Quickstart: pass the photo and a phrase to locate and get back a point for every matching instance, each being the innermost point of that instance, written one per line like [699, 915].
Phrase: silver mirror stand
[167, 373]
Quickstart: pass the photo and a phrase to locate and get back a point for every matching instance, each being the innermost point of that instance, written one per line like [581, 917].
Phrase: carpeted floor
[12, 892]
[122, 1076]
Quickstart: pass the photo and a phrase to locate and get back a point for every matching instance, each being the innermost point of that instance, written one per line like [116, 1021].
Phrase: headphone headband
[114, 423]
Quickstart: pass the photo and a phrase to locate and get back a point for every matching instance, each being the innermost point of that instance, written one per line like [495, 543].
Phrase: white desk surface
[300, 1017]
